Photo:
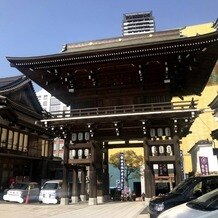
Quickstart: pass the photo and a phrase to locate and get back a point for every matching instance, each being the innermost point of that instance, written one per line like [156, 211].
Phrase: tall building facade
[138, 23]
[49, 102]
[52, 104]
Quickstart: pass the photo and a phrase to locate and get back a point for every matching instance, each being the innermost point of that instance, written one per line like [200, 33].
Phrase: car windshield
[22, 186]
[179, 189]
[206, 202]
[50, 186]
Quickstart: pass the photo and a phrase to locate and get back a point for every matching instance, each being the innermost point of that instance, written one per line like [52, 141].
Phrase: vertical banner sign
[204, 165]
[182, 164]
[162, 170]
[122, 171]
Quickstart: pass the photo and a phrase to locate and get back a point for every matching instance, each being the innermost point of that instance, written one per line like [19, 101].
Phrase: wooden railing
[123, 109]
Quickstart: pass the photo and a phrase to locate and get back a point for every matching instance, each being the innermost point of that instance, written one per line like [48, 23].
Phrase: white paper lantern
[160, 132]
[167, 131]
[152, 132]
[74, 137]
[80, 136]
[86, 152]
[80, 153]
[161, 149]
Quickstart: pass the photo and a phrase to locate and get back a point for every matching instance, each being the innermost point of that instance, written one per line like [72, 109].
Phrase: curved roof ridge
[12, 83]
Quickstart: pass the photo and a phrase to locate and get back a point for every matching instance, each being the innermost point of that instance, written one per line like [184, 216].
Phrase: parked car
[187, 190]
[21, 190]
[51, 192]
[205, 206]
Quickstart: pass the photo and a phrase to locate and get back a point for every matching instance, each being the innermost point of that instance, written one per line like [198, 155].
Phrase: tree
[132, 164]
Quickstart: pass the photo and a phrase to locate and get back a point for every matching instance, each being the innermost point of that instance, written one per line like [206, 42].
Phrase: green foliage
[132, 164]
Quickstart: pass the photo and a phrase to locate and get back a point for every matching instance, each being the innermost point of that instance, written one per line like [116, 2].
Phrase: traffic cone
[27, 201]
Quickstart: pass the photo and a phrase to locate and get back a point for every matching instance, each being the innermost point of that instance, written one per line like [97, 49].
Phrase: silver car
[23, 192]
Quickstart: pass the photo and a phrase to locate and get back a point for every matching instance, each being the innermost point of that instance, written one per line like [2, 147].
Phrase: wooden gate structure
[122, 89]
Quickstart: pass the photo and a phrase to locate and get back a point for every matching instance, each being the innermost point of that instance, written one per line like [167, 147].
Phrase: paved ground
[132, 209]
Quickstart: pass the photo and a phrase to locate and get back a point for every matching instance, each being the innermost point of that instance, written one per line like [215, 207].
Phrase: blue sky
[40, 27]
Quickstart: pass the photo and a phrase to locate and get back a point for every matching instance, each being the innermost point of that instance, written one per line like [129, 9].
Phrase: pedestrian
[143, 196]
[133, 196]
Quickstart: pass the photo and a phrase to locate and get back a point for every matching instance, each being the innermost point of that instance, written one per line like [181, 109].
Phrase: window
[25, 143]
[210, 184]
[44, 103]
[3, 137]
[10, 139]
[197, 190]
[39, 98]
[55, 101]
[45, 97]
[21, 142]
[55, 108]
[15, 141]
[65, 108]
[44, 148]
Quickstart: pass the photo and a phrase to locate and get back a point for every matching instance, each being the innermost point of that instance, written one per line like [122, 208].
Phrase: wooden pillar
[177, 166]
[64, 196]
[92, 186]
[44, 169]
[83, 184]
[148, 173]
[99, 170]
[100, 193]
[106, 189]
[75, 195]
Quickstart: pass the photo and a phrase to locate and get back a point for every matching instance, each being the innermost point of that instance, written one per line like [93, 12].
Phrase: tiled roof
[11, 82]
[10, 85]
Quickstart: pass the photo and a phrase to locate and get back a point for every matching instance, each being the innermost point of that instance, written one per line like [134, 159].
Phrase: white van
[51, 192]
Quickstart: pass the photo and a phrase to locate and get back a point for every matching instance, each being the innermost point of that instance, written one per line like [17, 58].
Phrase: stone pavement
[130, 209]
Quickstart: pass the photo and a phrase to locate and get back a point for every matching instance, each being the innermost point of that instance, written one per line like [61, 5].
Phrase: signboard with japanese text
[204, 165]
[122, 171]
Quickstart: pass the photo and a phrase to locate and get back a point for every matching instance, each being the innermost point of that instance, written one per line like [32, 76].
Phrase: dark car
[187, 190]
[205, 206]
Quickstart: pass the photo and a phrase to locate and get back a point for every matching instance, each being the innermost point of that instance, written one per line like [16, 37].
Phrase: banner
[204, 165]
[122, 171]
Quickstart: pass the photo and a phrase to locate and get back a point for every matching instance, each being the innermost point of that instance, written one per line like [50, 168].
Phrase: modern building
[49, 102]
[138, 23]
[52, 104]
